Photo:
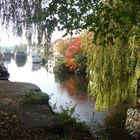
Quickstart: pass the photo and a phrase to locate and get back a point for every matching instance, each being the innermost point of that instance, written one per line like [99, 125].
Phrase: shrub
[66, 116]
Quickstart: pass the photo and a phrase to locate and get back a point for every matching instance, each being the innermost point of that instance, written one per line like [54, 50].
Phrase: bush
[60, 67]
[66, 116]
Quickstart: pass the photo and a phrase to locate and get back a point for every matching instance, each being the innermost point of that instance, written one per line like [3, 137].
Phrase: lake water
[64, 91]
[67, 91]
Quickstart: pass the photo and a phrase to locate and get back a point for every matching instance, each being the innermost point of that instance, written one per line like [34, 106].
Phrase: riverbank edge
[33, 115]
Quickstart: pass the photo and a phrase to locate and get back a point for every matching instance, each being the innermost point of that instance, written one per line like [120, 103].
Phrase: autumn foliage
[71, 64]
[71, 86]
[73, 50]
[73, 47]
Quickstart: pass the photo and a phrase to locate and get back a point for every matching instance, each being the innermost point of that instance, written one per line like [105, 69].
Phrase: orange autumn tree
[74, 52]
[71, 64]
[74, 48]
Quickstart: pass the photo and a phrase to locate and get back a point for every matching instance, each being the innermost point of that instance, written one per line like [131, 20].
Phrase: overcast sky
[7, 39]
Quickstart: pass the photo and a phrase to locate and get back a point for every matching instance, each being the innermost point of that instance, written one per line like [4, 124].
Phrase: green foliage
[114, 58]
[116, 19]
[60, 67]
[113, 73]
[81, 59]
[66, 116]
[36, 98]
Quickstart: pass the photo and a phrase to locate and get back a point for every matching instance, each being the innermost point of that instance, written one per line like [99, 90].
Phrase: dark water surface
[68, 91]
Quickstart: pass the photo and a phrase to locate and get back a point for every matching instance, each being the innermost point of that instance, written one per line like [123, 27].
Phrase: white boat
[35, 58]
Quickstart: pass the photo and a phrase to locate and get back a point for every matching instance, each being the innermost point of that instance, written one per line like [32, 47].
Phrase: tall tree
[74, 47]
[76, 59]
[114, 56]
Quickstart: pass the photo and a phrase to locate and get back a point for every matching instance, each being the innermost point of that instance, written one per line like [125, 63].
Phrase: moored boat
[35, 58]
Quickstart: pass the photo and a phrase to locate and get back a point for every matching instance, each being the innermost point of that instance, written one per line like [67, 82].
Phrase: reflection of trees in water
[75, 85]
[71, 86]
[7, 58]
[7, 61]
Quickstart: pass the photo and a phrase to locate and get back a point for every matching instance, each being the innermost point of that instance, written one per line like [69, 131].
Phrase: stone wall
[133, 117]
[133, 122]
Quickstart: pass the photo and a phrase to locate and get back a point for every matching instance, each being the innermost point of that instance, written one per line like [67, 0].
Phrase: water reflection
[61, 89]
[74, 85]
[7, 57]
[7, 61]
[36, 66]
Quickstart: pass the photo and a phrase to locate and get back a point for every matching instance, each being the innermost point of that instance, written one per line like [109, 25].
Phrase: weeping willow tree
[114, 55]
[26, 17]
